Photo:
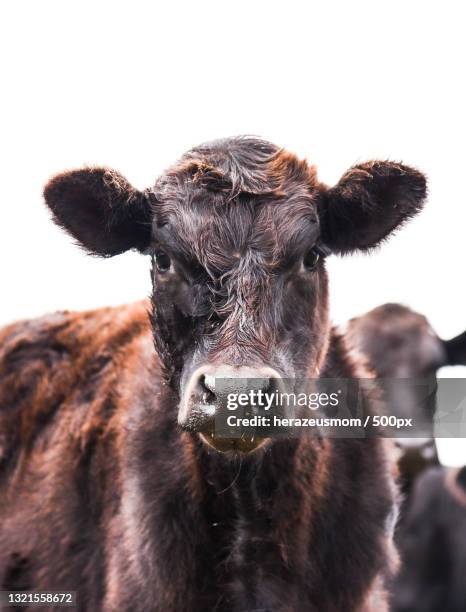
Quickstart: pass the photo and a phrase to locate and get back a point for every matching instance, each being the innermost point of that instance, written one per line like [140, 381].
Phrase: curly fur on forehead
[233, 195]
[243, 164]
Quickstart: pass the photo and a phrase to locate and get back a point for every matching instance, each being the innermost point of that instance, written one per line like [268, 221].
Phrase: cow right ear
[368, 203]
[456, 350]
[101, 210]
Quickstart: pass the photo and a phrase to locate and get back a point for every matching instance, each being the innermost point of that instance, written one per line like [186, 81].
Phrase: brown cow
[403, 349]
[110, 485]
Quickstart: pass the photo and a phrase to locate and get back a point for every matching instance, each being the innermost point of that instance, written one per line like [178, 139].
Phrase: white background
[132, 85]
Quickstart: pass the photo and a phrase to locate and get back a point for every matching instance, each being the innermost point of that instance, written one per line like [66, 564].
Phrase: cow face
[237, 232]
[399, 342]
[405, 351]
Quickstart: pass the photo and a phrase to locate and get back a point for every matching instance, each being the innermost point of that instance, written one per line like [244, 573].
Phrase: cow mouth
[240, 445]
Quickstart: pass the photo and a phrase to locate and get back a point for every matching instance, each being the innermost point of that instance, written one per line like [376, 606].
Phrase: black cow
[433, 545]
[405, 352]
[110, 485]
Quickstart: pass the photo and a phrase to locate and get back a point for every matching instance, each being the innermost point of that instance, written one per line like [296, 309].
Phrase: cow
[433, 544]
[404, 351]
[110, 485]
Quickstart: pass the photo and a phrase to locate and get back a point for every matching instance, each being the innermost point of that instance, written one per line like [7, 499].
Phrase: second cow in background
[400, 343]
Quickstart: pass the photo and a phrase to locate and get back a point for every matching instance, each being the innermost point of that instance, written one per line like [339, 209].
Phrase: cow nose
[210, 387]
[216, 387]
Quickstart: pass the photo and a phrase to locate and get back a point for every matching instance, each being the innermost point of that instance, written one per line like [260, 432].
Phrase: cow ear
[99, 208]
[456, 350]
[369, 202]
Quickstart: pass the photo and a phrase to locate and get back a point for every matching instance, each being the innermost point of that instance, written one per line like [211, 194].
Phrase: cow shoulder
[49, 364]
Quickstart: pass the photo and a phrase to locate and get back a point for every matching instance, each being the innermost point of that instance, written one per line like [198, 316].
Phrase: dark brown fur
[401, 344]
[103, 492]
[402, 348]
[90, 428]
[433, 544]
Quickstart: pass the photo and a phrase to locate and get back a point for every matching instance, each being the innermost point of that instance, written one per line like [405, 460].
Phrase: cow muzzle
[208, 392]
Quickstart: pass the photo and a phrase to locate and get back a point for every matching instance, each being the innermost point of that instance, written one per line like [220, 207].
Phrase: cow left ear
[101, 210]
[369, 202]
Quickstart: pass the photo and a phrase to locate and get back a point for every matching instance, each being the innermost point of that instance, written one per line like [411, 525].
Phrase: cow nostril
[207, 385]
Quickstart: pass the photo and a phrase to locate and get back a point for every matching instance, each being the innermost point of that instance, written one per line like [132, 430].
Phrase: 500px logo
[262, 399]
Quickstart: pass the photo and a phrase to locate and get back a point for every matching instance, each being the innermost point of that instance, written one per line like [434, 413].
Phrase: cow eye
[162, 261]
[311, 259]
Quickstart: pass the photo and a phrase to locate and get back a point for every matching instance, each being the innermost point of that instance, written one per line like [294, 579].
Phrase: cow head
[405, 351]
[237, 231]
